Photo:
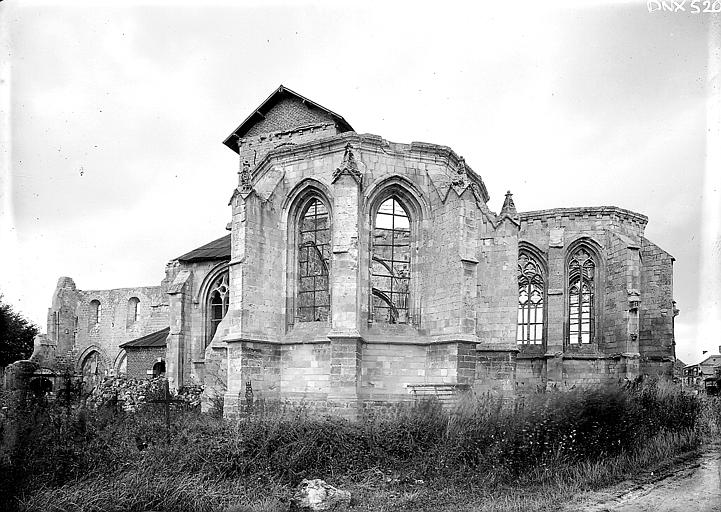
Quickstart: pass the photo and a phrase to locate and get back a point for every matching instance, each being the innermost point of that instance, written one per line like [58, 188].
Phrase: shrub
[279, 447]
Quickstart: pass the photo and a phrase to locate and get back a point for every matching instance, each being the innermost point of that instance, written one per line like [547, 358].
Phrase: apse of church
[360, 272]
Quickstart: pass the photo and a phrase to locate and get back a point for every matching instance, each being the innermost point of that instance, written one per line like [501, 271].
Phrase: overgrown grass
[553, 443]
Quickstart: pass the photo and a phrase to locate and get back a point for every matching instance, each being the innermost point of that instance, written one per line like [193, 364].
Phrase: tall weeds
[52, 457]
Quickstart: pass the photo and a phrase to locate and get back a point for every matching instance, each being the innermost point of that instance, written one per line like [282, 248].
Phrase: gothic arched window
[313, 294]
[391, 263]
[217, 305]
[581, 297]
[531, 302]
[94, 313]
[132, 310]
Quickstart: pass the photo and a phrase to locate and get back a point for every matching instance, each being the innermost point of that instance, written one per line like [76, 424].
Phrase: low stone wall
[131, 393]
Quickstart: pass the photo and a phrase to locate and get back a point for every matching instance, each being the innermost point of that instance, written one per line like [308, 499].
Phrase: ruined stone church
[360, 272]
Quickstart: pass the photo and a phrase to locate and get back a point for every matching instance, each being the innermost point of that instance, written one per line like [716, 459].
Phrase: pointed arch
[217, 275]
[531, 326]
[583, 270]
[309, 235]
[93, 365]
[217, 303]
[394, 209]
[120, 365]
[390, 273]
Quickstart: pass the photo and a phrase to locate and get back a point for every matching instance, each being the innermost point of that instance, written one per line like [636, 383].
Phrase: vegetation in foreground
[487, 455]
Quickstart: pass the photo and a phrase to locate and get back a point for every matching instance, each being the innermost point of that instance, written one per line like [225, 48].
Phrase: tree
[16, 335]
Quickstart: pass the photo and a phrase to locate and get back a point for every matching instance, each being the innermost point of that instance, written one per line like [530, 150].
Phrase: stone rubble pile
[131, 393]
[318, 495]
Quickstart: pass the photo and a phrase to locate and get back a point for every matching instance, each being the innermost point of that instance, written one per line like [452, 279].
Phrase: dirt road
[694, 487]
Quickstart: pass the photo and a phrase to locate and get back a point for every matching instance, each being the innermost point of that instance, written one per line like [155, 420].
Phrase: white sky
[113, 118]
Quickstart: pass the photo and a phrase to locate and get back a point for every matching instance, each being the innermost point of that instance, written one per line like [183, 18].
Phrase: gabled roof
[277, 95]
[711, 360]
[216, 250]
[155, 339]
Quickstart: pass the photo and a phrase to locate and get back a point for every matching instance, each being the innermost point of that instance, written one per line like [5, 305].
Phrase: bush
[484, 435]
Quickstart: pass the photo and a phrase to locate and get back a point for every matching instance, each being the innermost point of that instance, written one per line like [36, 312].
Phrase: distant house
[705, 375]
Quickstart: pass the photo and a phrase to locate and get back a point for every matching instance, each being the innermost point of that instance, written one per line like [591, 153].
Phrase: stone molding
[495, 347]
[431, 153]
[590, 211]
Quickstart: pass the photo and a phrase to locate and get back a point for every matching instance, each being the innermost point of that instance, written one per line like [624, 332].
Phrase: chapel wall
[388, 370]
[439, 344]
[553, 233]
[114, 327]
[657, 309]
[62, 315]
[305, 370]
[530, 375]
[258, 283]
[191, 328]
[589, 372]
[616, 314]
[632, 269]
[266, 225]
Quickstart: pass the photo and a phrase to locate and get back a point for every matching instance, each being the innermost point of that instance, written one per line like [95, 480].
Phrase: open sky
[112, 121]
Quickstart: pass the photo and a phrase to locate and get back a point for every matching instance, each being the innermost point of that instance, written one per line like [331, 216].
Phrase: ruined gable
[285, 112]
[288, 114]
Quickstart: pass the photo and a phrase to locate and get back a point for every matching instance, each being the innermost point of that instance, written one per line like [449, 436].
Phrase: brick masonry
[140, 361]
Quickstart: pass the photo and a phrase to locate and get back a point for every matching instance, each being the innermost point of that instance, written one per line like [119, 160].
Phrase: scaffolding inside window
[529, 330]
[313, 299]
[391, 263]
[581, 298]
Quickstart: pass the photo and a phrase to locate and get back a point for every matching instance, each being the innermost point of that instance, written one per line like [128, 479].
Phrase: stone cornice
[579, 355]
[590, 211]
[422, 151]
[496, 347]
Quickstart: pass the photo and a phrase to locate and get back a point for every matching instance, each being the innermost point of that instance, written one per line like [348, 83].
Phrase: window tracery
[581, 297]
[218, 301]
[531, 303]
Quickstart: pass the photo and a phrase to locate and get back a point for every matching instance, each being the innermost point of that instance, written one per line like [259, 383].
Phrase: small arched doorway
[159, 368]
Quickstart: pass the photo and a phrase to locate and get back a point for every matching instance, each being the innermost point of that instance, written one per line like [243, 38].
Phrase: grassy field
[488, 455]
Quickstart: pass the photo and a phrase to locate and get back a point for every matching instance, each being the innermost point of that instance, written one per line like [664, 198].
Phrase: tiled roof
[715, 359]
[216, 250]
[155, 339]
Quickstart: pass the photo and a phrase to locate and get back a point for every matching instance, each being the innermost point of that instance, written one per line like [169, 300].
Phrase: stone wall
[630, 272]
[657, 311]
[188, 318]
[70, 323]
[351, 358]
